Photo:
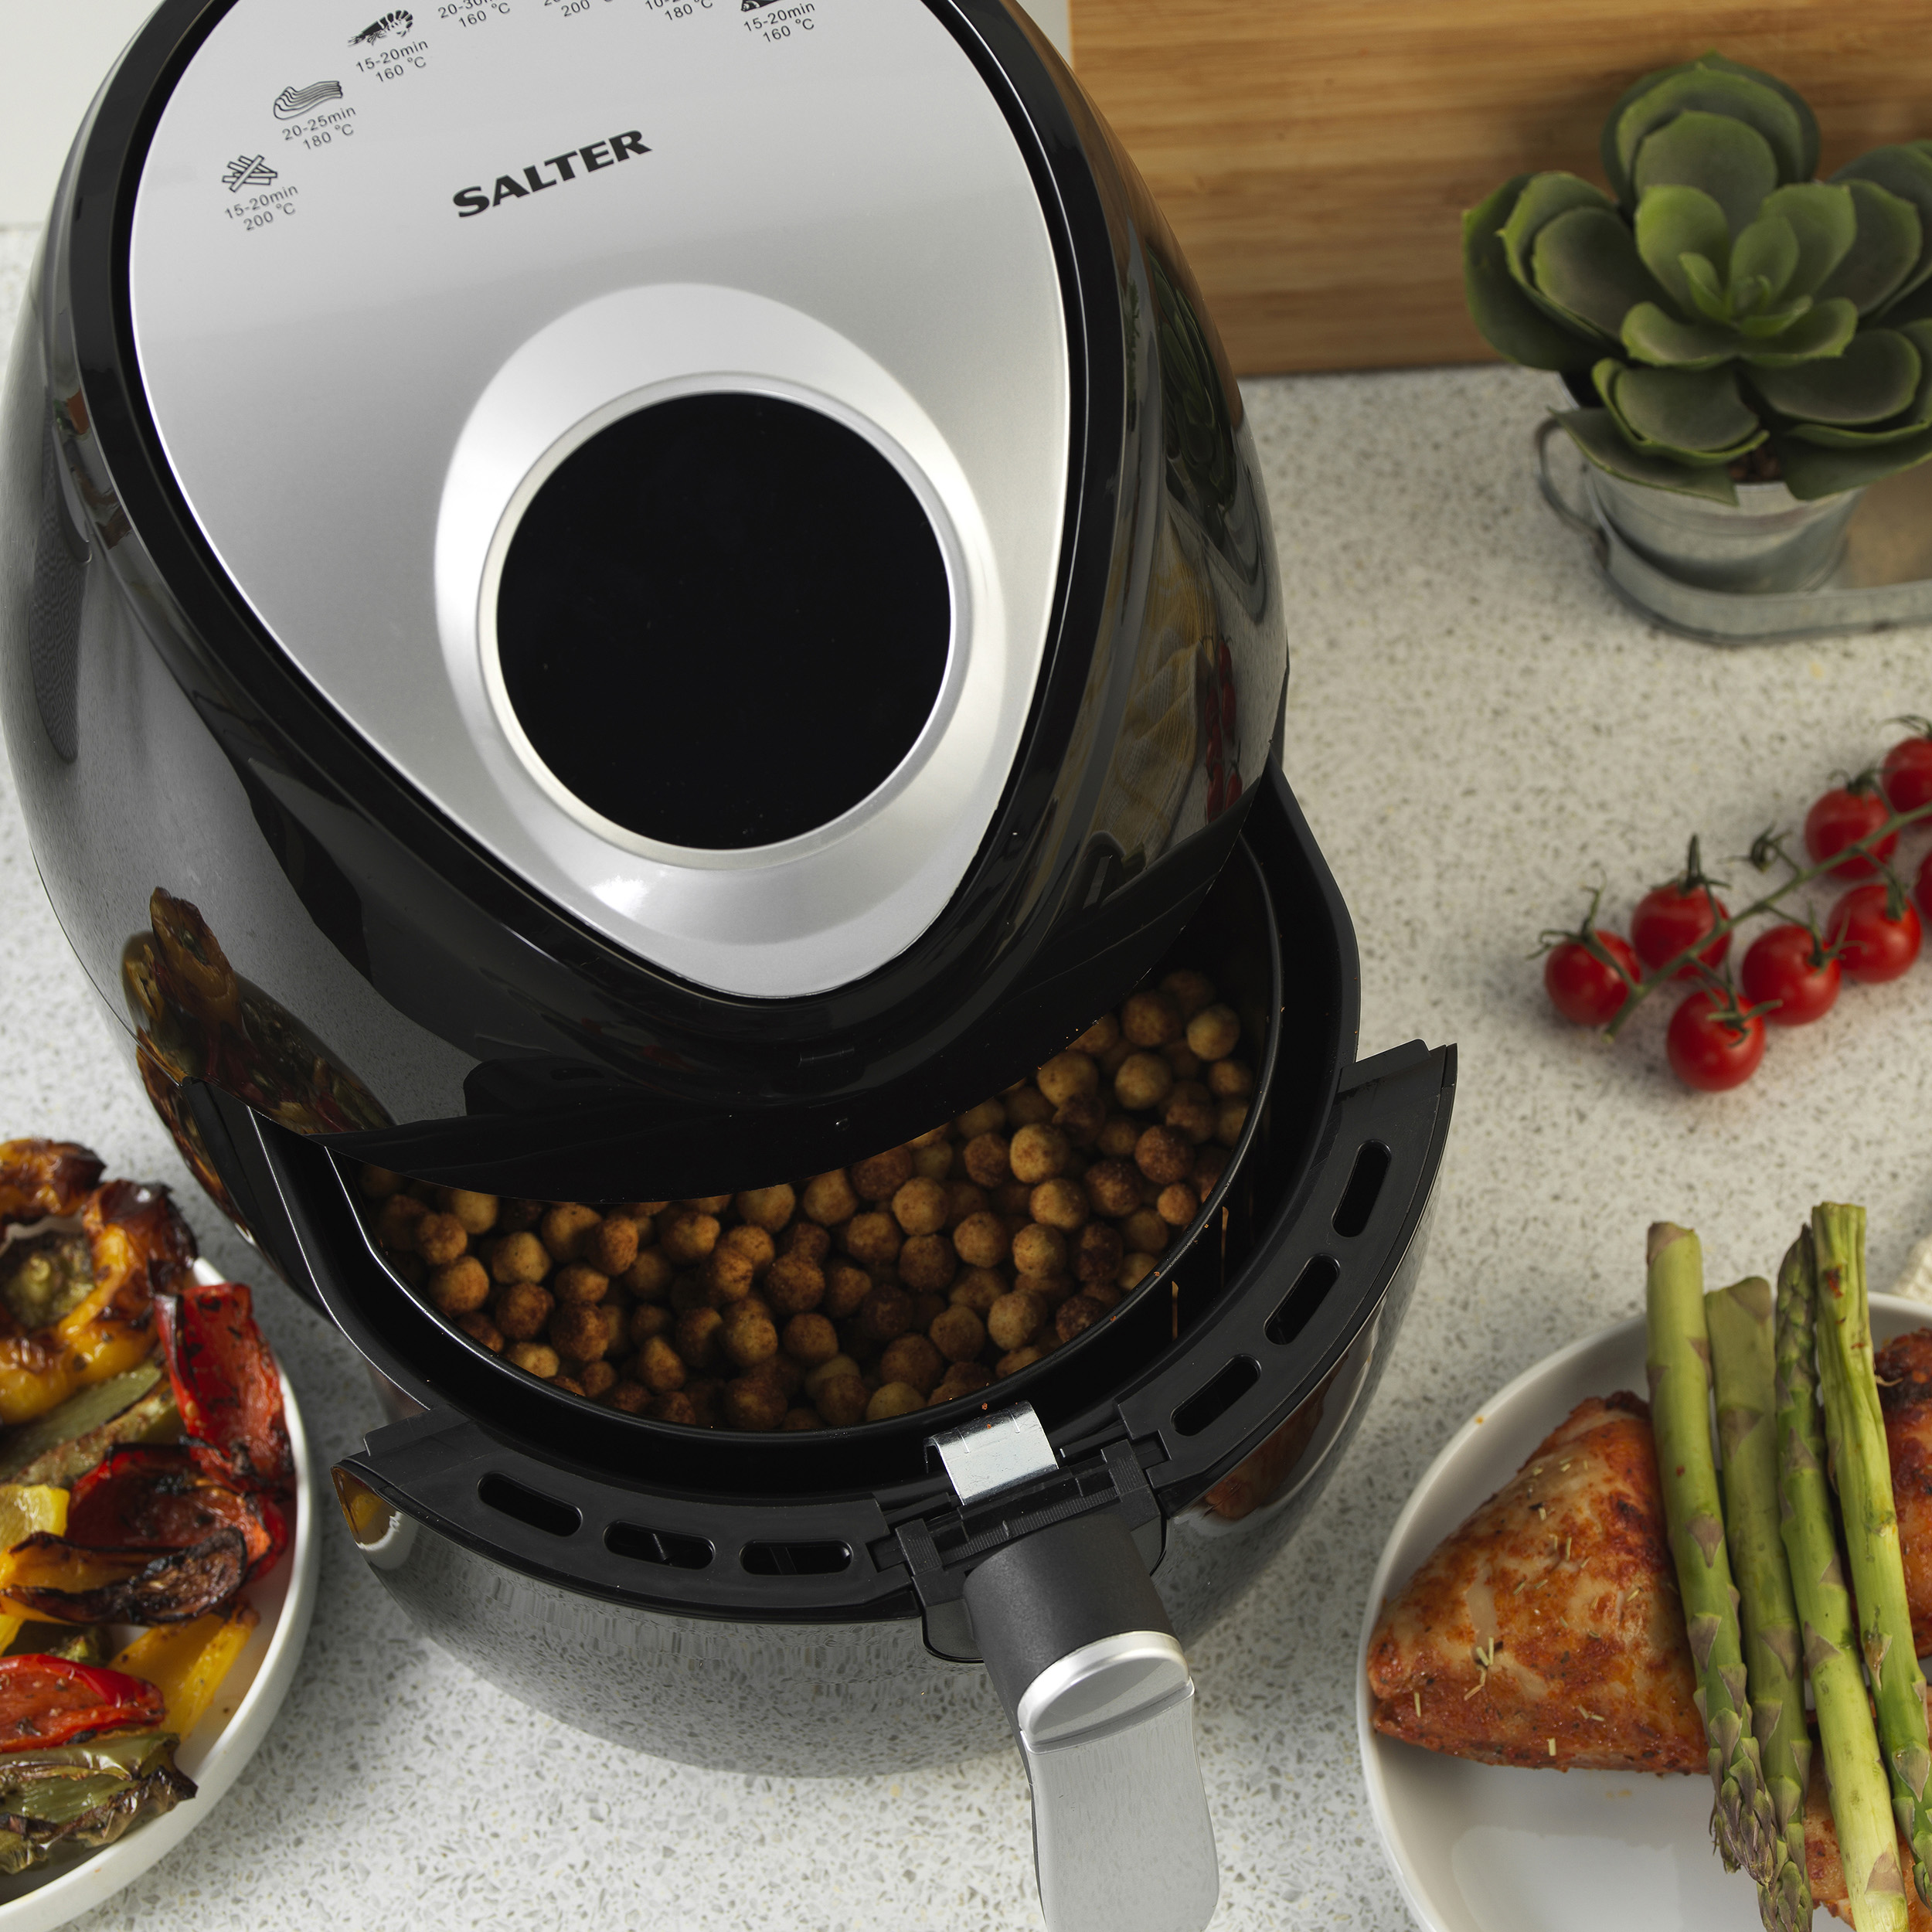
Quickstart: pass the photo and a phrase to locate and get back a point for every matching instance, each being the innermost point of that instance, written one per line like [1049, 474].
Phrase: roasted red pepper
[153, 1497]
[225, 1381]
[50, 1700]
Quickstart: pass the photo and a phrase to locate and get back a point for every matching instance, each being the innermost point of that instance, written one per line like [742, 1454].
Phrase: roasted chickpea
[1016, 1360]
[628, 1398]
[1038, 1153]
[479, 1328]
[1105, 1033]
[828, 1199]
[1230, 1079]
[519, 1257]
[982, 1240]
[439, 1238]
[1190, 1110]
[1163, 1155]
[962, 1378]
[1117, 1139]
[768, 1208]
[1111, 1063]
[713, 1204]
[727, 1276]
[839, 1365]
[810, 1340]
[686, 1236]
[1060, 1204]
[1081, 1119]
[958, 1333]
[920, 1207]
[885, 1314]
[659, 1366]
[978, 1289]
[808, 1239]
[872, 1239]
[1027, 1108]
[514, 1215]
[1114, 1187]
[1135, 1267]
[535, 1358]
[1106, 1293]
[649, 1276]
[1098, 1254]
[1185, 1062]
[1014, 1319]
[675, 1407]
[797, 1419]
[397, 1220]
[1233, 1116]
[596, 1378]
[964, 1199]
[754, 1402]
[794, 1284]
[1214, 1032]
[749, 1337]
[928, 1263]
[1143, 1228]
[578, 1333]
[986, 1160]
[1189, 990]
[1143, 1081]
[1151, 1019]
[1068, 1077]
[933, 1163]
[578, 1286]
[563, 1226]
[566, 1381]
[476, 1212]
[612, 1245]
[913, 1359]
[893, 1399]
[1076, 1315]
[696, 1338]
[459, 1286]
[842, 1400]
[846, 1286]
[880, 1176]
[1176, 1205]
[522, 1310]
[1039, 1250]
[1051, 1288]
[988, 1117]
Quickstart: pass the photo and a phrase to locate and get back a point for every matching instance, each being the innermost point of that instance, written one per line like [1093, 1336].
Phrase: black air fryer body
[646, 614]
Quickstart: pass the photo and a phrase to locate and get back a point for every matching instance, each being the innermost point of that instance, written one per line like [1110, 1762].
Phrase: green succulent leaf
[1512, 322]
[1731, 161]
[1885, 251]
[1824, 220]
[1595, 433]
[1753, 100]
[1543, 197]
[1694, 416]
[1814, 470]
[1672, 222]
[1585, 263]
[1876, 376]
[1823, 329]
[1773, 321]
[1905, 171]
[1766, 252]
[1707, 292]
[1652, 335]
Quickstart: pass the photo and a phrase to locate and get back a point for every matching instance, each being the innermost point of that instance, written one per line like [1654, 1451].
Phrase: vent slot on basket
[663, 1547]
[795, 1560]
[1210, 1404]
[1359, 1197]
[542, 1512]
[1298, 1307]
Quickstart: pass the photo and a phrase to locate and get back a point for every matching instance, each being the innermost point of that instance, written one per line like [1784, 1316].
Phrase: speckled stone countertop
[1478, 730]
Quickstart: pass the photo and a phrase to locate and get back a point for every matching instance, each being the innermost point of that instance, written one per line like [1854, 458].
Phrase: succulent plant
[1718, 299]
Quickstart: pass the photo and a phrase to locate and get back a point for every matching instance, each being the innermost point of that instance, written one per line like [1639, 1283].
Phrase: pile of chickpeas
[913, 1278]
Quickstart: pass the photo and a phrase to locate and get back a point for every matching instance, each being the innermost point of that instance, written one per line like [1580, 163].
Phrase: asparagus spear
[1868, 1840]
[1677, 1358]
[1739, 1319]
[1861, 1467]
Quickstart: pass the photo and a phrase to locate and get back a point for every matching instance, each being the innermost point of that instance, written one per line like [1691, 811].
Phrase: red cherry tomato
[1785, 965]
[1845, 814]
[1709, 1048]
[1581, 987]
[1906, 773]
[1922, 891]
[1875, 948]
[1671, 918]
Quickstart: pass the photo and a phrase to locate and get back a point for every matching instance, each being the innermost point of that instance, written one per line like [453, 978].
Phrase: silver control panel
[391, 266]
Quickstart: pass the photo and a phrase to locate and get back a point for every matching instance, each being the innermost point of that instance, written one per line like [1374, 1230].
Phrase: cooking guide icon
[398, 23]
[247, 170]
[292, 103]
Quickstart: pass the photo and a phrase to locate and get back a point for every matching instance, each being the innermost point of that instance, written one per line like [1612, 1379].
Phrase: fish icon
[292, 103]
[398, 23]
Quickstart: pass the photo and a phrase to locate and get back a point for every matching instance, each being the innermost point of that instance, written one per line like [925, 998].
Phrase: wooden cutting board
[1314, 156]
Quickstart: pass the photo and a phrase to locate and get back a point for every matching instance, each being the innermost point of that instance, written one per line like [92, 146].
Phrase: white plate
[1478, 1848]
[225, 1739]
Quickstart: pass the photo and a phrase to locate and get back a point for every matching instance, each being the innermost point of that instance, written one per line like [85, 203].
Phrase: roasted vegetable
[53, 1700]
[68, 1441]
[162, 1497]
[79, 1643]
[42, 1177]
[84, 1794]
[50, 1577]
[187, 1662]
[26, 1510]
[225, 1380]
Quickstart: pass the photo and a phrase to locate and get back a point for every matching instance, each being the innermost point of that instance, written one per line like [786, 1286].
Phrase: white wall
[54, 55]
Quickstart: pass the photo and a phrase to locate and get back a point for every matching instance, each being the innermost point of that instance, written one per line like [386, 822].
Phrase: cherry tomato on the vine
[1841, 817]
[1672, 918]
[1580, 986]
[1906, 773]
[1712, 1047]
[1787, 965]
[1873, 947]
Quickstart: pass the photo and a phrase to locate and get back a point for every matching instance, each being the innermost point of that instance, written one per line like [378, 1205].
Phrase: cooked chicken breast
[1904, 1370]
[1547, 1630]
